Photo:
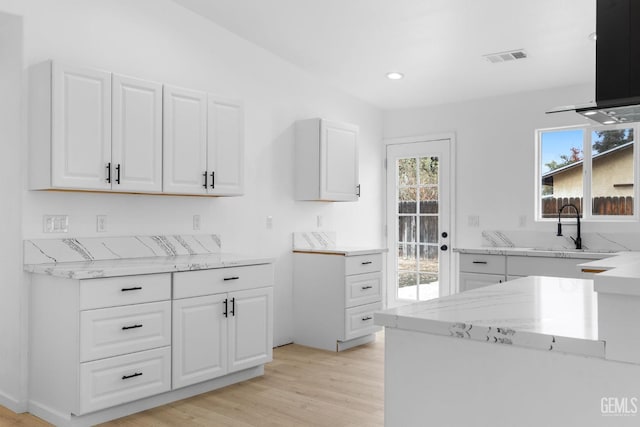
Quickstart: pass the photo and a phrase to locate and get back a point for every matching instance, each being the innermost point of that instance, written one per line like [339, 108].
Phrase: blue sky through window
[558, 143]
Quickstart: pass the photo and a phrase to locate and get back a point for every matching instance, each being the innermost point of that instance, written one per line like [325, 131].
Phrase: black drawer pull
[367, 262]
[367, 287]
[124, 328]
[126, 377]
[231, 278]
[364, 319]
[233, 307]
[135, 288]
[205, 180]
[480, 262]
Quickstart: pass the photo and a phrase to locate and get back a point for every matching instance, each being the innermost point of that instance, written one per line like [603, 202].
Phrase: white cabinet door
[185, 141]
[225, 158]
[199, 339]
[338, 161]
[137, 135]
[81, 128]
[250, 331]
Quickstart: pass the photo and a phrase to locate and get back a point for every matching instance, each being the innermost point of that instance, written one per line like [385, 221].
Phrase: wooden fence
[622, 205]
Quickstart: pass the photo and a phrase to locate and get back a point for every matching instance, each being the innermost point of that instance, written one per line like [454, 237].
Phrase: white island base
[523, 353]
[433, 380]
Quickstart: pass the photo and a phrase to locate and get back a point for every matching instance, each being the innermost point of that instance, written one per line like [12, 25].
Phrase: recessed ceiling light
[609, 122]
[394, 75]
[589, 113]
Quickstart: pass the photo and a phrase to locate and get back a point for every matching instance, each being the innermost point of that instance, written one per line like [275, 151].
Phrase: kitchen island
[523, 353]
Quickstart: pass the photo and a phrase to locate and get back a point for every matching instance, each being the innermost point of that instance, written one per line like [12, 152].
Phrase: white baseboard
[13, 404]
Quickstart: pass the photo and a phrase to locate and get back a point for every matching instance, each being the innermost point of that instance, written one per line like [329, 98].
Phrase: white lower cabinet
[217, 334]
[99, 343]
[334, 298]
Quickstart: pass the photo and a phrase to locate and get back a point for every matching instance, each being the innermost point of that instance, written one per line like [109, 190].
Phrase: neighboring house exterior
[612, 175]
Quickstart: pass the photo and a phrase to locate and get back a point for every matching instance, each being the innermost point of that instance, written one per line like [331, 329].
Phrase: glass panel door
[416, 206]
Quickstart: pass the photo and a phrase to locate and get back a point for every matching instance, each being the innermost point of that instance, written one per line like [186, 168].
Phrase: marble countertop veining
[546, 313]
[133, 266]
[536, 252]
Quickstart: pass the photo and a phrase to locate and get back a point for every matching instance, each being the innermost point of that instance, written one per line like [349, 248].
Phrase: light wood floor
[301, 387]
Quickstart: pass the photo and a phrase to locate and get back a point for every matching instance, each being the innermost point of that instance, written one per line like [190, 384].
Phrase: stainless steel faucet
[578, 239]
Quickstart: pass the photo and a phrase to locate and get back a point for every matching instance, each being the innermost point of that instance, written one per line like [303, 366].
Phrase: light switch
[196, 222]
[101, 223]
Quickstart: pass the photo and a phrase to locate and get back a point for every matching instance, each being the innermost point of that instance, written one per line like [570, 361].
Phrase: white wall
[495, 155]
[12, 328]
[159, 40]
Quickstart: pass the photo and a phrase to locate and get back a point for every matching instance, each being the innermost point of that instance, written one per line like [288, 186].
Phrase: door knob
[444, 247]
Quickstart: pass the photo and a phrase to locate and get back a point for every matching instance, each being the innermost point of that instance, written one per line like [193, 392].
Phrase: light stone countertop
[344, 250]
[535, 252]
[133, 266]
[545, 313]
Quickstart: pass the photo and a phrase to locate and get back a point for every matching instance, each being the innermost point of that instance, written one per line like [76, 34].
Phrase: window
[593, 164]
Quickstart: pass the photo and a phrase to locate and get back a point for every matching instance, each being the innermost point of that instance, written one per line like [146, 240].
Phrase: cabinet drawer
[363, 264]
[207, 282]
[121, 379]
[363, 289]
[114, 291]
[470, 281]
[359, 320]
[491, 264]
[544, 266]
[113, 331]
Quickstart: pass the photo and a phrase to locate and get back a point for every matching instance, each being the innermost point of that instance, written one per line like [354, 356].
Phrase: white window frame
[586, 174]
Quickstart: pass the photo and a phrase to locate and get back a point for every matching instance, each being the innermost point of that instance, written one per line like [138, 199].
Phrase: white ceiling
[438, 44]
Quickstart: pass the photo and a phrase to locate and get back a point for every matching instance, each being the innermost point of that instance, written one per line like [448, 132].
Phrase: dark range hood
[617, 64]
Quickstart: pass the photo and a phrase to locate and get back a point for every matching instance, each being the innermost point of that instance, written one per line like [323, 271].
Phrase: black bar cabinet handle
[231, 278]
[226, 306]
[135, 288]
[364, 319]
[126, 377]
[479, 262]
[118, 174]
[213, 179]
[205, 180]
[367, 287]
[109, 172]
[124, 328]
[233, 306]
[358, 190]
[367, 262]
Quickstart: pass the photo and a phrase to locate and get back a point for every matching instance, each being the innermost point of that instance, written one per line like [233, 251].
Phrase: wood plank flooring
[301, 387]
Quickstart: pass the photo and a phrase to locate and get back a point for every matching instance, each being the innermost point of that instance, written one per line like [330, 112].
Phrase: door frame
[453, 236]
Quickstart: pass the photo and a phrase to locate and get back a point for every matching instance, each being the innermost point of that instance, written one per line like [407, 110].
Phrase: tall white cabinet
[326, 161]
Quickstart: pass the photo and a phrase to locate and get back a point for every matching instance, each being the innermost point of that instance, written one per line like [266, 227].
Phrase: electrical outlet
[269, 222]
[474, 221]
[319, 221]
[55, 223]
[196, 222]
[101, 223]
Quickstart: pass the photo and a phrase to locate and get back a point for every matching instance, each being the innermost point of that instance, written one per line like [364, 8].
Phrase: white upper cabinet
[326, 161]
[185, 141]
[203, 144]
[136, 159]
[94, 130]
[225, 156]
[70, 132]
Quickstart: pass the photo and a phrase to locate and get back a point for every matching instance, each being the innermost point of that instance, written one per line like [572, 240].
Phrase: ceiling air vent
[511, 55]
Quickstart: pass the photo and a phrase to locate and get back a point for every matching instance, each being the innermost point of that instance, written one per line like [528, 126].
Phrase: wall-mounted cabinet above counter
[326, 161]
[93, 130]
